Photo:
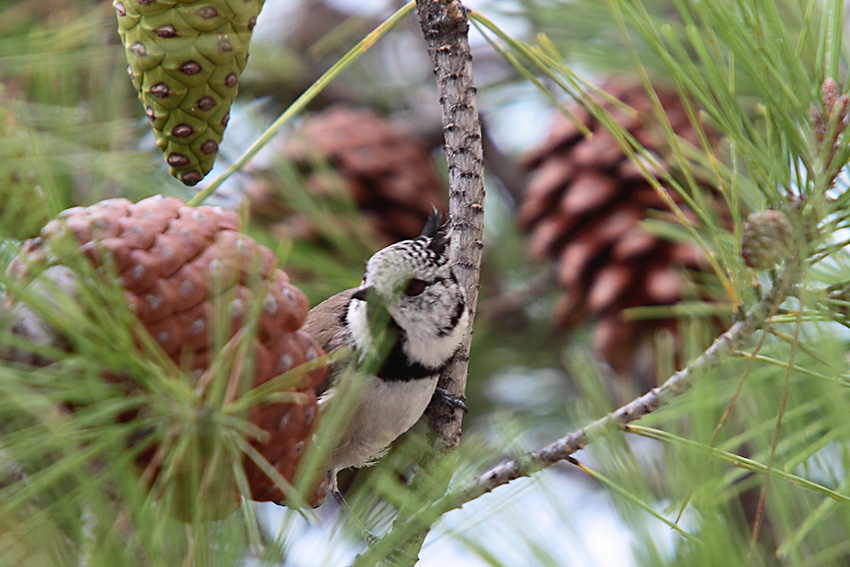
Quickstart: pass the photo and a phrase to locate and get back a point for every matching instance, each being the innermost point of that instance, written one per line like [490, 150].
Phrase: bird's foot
[454, 401]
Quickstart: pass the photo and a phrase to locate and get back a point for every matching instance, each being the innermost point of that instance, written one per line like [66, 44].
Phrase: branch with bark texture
[444, 26]
[563, 449]
[722, 347]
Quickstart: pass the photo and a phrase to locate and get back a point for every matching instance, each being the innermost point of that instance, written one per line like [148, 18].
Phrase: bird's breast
[388, 409]
[395, 407]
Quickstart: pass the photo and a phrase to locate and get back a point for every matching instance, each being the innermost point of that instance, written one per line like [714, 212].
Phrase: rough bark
[444, 26]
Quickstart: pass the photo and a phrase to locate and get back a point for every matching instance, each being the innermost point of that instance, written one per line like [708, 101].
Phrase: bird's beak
[361, 293]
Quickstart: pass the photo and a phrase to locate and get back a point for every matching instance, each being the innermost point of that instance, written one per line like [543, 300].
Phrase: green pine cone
[186, 57]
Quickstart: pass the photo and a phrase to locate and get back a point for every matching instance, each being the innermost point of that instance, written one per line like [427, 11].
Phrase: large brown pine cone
[175, 262]
[388, 173]
[582, 207]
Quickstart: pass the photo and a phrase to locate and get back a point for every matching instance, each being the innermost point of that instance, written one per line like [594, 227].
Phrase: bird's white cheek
[359, 326]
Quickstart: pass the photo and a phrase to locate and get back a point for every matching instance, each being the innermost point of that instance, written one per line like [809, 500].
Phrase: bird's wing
[326, 321]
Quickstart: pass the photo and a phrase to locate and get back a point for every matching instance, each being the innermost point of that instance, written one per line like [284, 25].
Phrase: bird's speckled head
[395, 272]
[414, 281]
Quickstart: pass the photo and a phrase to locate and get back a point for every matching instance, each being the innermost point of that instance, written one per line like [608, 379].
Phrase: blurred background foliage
[613, 226]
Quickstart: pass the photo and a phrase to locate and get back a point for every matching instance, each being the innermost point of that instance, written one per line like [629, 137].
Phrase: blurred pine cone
[355, 155]
[176, 262]
[582, 207]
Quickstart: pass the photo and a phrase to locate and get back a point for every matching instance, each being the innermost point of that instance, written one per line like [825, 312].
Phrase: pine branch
[723, 347]
[445, 27]
[562, 449]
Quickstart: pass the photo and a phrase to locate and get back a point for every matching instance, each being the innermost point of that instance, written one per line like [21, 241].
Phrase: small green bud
[767, 239]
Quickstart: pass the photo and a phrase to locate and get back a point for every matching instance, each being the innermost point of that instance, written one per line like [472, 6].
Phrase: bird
[404, 323]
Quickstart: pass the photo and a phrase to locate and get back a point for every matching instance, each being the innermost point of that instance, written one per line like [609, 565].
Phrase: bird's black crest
[437, 231]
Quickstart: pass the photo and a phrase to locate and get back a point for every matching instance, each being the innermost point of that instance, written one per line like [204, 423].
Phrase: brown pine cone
[583, 206]
[389, 174]
[175, 262]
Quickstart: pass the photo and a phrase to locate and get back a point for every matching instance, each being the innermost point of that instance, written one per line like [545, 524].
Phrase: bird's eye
[415, 287]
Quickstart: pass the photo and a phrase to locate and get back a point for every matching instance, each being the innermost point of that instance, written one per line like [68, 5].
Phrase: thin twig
[301, 103]
[511, 302]
[722, 347]
[783, 402]
[505, 169]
